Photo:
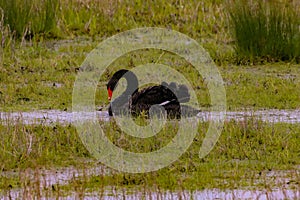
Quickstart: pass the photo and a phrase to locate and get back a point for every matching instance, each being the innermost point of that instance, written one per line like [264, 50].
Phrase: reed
[29, 17]
[266, 30]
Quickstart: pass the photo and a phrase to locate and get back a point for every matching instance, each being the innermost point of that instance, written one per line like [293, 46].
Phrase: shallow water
[48, 117]
[282, 184]
[112, 193]
[45, 179]
[204, 194]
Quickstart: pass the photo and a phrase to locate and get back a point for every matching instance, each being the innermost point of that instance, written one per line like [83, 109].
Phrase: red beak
[109, 93]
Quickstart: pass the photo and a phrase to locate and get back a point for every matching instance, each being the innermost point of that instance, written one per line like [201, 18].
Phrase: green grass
[203, 21]
[39, 73]
[261, 31]
[42, 77]
[29, 17]
[244, 153]
[265, 30]
[262, 86]
[31, 71]
[31, 146]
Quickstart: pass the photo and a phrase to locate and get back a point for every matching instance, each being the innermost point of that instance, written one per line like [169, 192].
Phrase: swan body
[168, 96]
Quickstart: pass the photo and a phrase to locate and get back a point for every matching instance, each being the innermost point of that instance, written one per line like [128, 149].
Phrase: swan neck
[132, 82]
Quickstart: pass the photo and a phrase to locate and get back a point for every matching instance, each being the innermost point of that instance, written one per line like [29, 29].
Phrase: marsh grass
[205, 21]
[249, 154]
[25, 146]
[246, 152]
[266, 30]
[29, 17]
[30, 75]
[134, 144]
[16, 15]
[82, 17]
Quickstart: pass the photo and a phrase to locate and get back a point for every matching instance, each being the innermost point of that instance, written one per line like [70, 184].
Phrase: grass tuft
[266, 30]
[26, 18]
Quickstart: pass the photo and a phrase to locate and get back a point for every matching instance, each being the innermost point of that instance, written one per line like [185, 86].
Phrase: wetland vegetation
[43, 44]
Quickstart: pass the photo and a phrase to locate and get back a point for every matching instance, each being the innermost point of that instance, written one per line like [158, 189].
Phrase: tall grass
[28, 17]
[265, 29]
[262, 29]
[109, 17]
[204, 21]
[84, 17]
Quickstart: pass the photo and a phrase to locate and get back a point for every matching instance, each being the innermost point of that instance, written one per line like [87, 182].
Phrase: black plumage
[168, 96]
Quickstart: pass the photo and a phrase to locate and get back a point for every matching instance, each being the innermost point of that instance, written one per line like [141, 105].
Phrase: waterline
[49, 117]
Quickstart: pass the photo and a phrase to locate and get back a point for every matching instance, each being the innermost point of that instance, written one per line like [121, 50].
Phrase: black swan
[169, 96]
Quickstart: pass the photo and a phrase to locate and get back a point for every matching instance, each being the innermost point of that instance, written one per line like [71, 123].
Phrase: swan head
[132, 82]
